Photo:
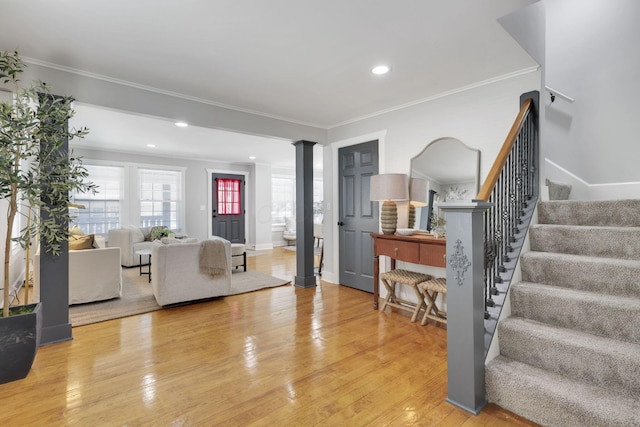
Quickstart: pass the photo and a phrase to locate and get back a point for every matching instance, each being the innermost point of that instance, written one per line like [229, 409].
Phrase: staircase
[570, 352]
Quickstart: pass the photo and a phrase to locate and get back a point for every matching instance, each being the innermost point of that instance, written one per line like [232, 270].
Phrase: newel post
[465, 304]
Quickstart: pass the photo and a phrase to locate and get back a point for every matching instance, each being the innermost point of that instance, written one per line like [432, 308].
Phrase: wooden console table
[416, 249]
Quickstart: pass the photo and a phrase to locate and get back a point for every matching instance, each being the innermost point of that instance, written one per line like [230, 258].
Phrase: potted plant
[35, 181]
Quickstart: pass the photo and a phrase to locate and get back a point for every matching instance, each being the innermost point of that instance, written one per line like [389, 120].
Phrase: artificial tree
[36, 177]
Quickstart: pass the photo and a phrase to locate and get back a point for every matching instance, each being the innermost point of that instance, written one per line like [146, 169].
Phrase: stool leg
[244, 260]
[419, 305]
[429, 299]
[390, 294]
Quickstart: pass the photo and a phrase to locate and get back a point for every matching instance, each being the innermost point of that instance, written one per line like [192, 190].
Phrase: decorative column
[54, 278]
[305, 277]
[465, 304]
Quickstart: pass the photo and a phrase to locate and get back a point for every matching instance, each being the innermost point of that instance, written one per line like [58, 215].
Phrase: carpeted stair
[570, 352]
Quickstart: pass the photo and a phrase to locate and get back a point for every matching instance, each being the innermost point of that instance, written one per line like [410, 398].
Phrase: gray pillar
[54, 286]
[465, 304]
[305, 277]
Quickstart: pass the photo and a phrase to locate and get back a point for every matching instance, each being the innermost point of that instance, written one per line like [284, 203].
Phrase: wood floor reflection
[283, 356]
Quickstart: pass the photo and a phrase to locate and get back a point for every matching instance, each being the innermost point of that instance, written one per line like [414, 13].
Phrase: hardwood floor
[283, 356]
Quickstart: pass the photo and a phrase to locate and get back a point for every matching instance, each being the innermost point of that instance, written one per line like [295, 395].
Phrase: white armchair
[130, 240]
[289, 233]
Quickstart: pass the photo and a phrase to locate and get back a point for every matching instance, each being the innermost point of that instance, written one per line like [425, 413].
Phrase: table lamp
[389, 188]
[417, 198]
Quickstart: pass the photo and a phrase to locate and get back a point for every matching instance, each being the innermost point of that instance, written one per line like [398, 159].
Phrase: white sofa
[176, 276]
[130, 240]
[94, 275]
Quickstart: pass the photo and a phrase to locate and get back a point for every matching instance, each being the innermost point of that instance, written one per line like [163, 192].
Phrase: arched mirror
[446, 170]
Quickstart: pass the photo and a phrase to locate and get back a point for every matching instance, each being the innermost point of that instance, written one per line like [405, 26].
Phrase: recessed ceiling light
[151, 145]
[182, 124]
[380, 69]
[252, 157]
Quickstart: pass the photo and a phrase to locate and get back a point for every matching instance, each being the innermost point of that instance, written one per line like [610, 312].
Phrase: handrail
[511, 189]
[503, 154]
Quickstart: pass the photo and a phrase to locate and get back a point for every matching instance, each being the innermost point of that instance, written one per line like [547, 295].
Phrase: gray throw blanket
[213, 258]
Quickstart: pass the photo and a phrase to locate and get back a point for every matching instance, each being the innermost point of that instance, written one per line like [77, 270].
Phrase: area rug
[137, 297]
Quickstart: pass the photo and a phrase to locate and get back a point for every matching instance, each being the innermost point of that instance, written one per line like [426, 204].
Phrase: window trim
[130, 209]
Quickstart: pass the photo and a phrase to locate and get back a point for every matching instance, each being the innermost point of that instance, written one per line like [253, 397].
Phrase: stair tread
[606, 242]
[621, 228]
[572, 336]
[595, 359]
[592, 312]
[590, 212]
[559, 401]
[583, 258]
[596, 297]
[611, 276]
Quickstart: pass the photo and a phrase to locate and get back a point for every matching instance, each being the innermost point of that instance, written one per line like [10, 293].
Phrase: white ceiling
[128, 133]
[305, 61]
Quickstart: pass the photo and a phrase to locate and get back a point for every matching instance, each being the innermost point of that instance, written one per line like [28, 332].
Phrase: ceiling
[304, 61]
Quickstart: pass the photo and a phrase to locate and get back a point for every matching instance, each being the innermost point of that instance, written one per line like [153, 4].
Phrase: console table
[416, 249]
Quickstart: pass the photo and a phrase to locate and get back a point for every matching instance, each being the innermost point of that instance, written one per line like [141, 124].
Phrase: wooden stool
[430, 289]
[404, 277]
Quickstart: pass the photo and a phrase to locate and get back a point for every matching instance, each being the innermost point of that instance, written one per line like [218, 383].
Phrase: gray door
[228, 210]
[358, 217]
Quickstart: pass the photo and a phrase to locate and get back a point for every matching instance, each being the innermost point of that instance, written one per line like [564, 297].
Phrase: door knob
[340, 223]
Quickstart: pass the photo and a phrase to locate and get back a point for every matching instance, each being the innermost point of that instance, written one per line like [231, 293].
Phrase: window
[160, 198]
[229, 196]
[283, 199]
[103, 210]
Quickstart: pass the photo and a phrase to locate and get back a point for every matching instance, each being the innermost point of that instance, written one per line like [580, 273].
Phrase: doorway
[228, 208]
[358, 216]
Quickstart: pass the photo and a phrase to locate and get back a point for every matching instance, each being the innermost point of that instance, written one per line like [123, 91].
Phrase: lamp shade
[418, 192]
[389, 186]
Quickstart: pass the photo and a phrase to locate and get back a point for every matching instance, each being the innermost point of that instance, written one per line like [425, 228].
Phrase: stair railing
[511, 187]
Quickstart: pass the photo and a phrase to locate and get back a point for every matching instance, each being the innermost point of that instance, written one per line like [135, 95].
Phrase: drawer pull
[395, 251]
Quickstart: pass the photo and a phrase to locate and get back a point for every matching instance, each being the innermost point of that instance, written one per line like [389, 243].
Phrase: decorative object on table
[389, 188]
[405, 231]
[417, 198]
[438, 224]
[36, 178]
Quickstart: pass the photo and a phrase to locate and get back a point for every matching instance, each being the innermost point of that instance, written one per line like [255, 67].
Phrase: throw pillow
[98, 242]
[75, 230]
[77, 243]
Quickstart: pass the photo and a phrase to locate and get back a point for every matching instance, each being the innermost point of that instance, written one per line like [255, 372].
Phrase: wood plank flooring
[278, 357]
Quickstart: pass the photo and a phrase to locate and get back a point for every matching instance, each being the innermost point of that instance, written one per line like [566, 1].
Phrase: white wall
[480, 117]
[590, 54]
[260, 215]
